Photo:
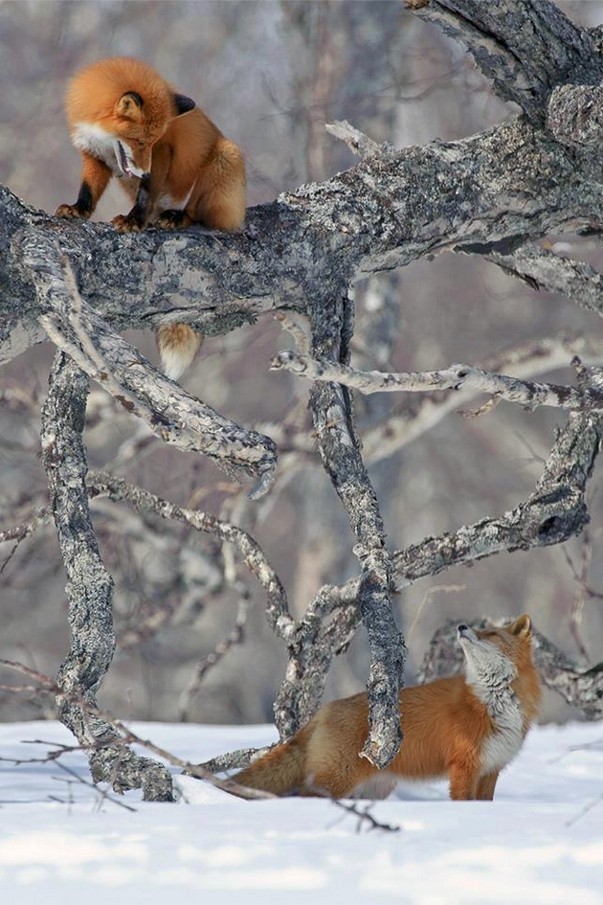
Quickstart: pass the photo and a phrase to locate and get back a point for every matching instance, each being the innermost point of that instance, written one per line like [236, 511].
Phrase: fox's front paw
[126, 223]
[71, 211]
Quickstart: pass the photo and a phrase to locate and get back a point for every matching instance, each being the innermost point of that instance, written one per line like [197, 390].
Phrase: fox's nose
[463, 627]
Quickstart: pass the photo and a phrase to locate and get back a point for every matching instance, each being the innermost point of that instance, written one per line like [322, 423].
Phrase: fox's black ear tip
[183, 103]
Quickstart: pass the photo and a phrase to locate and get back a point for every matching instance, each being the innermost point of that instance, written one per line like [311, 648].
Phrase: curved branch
[277, 611]
[90, 591]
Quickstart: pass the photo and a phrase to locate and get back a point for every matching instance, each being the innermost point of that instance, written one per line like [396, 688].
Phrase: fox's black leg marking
[85, 203]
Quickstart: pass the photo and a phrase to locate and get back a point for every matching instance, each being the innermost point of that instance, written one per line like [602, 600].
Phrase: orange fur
[466, 727]
[171, 160]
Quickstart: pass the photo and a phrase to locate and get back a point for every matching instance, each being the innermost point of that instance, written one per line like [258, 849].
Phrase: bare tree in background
[490, 196]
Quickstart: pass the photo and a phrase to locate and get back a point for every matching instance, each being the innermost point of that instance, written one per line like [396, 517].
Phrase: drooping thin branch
[277, 612]
[234, 638]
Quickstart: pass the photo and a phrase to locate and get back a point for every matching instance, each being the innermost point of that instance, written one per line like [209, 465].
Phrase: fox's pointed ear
[522, 627]
[183, 104]
[129, 105]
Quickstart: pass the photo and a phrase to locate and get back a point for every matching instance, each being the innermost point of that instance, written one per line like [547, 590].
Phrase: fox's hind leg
[219, 199]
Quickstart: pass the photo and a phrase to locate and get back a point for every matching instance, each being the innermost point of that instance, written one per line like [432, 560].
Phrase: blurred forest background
[270, 74]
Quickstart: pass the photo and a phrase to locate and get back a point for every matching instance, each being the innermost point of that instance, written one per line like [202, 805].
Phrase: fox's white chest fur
[96, 141]
[503, 745]
[504, 710]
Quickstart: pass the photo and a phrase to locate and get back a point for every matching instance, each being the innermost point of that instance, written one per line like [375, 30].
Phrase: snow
[540, 841]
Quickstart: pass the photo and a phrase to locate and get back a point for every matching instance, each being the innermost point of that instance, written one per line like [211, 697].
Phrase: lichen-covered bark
[89, 591]
[338, 446]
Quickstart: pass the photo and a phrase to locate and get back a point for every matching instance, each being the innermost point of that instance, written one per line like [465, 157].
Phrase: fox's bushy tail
[281, 770]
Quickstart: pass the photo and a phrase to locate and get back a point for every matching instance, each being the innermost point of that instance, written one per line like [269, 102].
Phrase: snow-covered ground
[540, 841]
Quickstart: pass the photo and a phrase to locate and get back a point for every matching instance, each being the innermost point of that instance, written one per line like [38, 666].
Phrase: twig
[363, 813]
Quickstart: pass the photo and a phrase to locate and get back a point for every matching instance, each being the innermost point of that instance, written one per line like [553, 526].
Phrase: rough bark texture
[89, 591]
[491, 195]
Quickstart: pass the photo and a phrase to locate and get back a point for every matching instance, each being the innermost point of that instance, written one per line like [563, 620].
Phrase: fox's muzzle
[125, 162]
[465, 633]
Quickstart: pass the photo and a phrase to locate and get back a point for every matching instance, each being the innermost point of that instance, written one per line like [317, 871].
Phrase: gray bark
[491, 194]
[89, 591]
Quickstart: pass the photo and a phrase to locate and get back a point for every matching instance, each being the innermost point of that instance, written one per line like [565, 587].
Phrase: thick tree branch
[341, 457]
[173, 415]
[525, 47]
[89, 590]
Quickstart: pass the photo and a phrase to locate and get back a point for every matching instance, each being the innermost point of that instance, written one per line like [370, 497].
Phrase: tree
[492, 195]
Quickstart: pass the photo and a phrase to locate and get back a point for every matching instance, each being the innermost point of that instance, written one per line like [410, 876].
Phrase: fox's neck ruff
[492, 686]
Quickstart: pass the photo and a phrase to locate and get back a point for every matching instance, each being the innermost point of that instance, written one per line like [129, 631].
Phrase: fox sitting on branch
[466, 727]
[173, 162]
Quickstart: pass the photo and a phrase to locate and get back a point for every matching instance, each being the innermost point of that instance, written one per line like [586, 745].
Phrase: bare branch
[526, 360]
[341, 457]
[113, 747]
[103, 484]
[456, 377]
[544, 269]
[357, 141]
[89, 589]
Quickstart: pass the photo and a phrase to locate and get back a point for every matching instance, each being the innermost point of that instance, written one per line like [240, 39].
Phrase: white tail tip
[178, 346]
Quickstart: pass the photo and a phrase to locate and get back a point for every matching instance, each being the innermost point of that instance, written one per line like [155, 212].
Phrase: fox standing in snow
[173, 162]
[467, 727]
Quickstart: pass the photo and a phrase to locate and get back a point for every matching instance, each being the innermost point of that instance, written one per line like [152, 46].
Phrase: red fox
[173, 162]
[466, 727]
